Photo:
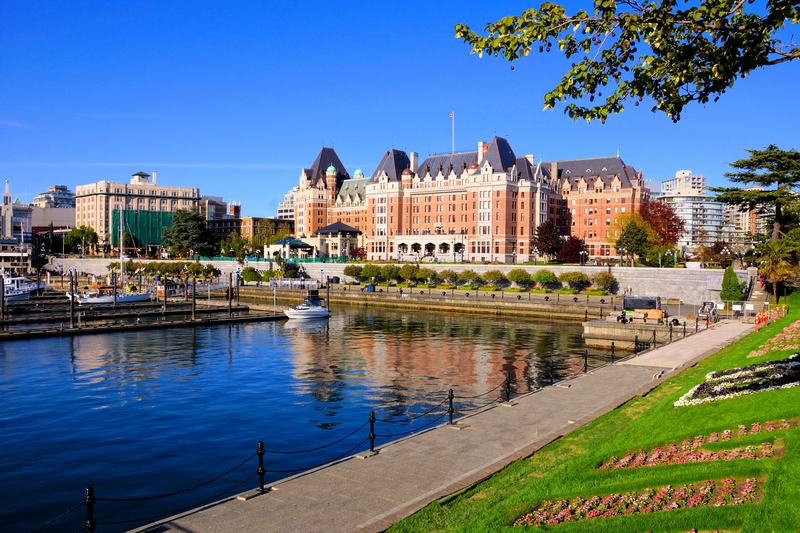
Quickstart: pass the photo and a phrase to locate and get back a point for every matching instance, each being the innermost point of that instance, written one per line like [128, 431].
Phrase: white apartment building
[704, 218]
[286, 208]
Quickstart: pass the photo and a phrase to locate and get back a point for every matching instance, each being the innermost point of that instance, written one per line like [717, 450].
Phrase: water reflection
[169, 400]
[419, 355]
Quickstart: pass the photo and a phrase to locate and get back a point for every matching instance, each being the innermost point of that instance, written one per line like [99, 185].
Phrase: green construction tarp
[146, 227]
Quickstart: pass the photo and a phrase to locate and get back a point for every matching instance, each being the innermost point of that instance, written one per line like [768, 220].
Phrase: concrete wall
[693, 286]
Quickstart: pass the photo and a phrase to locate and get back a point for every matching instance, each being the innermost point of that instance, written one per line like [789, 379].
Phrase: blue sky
[237, 97]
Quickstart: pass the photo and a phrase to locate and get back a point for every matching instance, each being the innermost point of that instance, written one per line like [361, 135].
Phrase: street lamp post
[725, 251]
[535, 254]
[621, 255]
[514, 256]
[583, 255]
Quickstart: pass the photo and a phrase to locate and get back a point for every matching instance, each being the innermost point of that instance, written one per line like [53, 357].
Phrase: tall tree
[189, 232]
[548, 238]
[673, 53]
[634, 240]
[775, 173]
[81, 235]
[667, 226]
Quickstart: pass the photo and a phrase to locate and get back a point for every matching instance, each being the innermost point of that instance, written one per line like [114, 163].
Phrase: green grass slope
[568, 468]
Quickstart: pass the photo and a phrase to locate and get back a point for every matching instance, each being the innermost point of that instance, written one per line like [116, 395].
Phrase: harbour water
[155, 412]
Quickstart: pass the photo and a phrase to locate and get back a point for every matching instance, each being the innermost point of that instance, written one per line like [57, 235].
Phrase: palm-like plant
[778, 263]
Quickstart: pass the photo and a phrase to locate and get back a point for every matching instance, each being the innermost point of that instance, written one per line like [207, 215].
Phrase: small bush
[540, 290]
[516, 289]
[519, 276]
[467, 288]
[545, 277]
[490, 288]
[604, 280]
[576, 280]
[567, 291]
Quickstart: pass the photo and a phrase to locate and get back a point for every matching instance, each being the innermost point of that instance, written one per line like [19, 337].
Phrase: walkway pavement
[368, 495]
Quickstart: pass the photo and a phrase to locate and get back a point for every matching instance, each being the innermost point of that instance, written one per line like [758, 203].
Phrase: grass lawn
[569, 468]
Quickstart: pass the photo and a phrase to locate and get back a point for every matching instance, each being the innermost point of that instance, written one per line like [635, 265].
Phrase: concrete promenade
[368, 495]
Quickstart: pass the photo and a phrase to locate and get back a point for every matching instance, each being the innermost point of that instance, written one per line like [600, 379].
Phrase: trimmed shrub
[545, 277]
[520, 276]
[575, 280]
[604, 280]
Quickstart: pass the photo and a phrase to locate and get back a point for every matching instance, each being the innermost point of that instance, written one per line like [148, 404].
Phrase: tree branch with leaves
[673, 53]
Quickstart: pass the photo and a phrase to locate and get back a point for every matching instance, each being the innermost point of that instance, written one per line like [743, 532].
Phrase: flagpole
[453, 120]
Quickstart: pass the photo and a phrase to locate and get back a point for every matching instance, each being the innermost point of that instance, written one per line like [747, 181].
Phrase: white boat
[10, 294]
[19, 283]
[105, 294]
[312, 307]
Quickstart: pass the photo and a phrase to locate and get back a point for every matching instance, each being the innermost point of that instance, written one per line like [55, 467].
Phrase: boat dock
[49, 316]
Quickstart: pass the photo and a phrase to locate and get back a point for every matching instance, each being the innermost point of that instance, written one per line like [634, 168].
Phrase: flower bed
[788, 339]
[689, 450]
[761, 377]
[716, 493]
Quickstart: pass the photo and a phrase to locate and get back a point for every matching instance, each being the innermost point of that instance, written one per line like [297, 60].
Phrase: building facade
[286, 208]
[483, 205]
[57, 196]
[703, 217]
[97, 203]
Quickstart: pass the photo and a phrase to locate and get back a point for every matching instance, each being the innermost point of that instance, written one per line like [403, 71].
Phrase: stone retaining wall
[693, 286]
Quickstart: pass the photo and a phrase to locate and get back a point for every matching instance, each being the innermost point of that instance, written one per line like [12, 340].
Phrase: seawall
[693, 286]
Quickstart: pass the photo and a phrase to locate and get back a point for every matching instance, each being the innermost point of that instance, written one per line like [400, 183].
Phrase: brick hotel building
[479, 206]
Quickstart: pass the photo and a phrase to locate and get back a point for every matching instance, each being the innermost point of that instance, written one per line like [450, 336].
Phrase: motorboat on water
[105, 295]
[19, 284]
[312, 307]
[10, 294]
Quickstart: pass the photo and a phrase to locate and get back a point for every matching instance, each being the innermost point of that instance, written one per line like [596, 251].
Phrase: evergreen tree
[777, 173]
[732, 290]
[189, 232]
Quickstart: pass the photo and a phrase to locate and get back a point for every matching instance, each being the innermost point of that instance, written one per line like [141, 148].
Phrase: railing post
[372, 431]
[90, 524]
[684, 328]
[696, 323]
[260, 452]
[72, 291]
[636, 344]
[507, 387]
[586, 315]
[670, 332]
[552, 372]
[654, 340]
[450, 409]
[612, 352]
[585, 361]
